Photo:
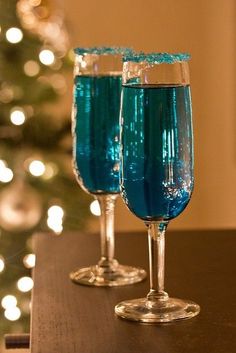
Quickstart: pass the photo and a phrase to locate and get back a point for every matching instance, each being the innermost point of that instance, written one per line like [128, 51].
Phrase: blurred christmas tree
[37, 188]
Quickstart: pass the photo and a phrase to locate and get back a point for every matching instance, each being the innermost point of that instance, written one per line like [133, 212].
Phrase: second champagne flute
[95, 129]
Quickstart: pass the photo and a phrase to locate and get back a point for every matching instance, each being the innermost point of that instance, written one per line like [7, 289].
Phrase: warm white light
[9, 301]
[14, 35]
[55, 225]
[6, 175]
[29, 260]
[2, 264]
[31, 68]
[95, 208]
[37, 168]
[17, 116]
[55, 218]
[46, 57]
[55, 212]
[3, 164]
[12, 314]
[25, 284]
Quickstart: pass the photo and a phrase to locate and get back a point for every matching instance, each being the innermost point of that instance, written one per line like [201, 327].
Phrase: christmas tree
[38, 191]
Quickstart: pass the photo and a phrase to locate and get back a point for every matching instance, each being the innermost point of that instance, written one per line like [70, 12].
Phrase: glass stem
[107, 206]
[156, 244]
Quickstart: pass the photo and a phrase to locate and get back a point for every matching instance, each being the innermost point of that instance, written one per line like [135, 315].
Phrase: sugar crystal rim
[103, 50]
[157, 58]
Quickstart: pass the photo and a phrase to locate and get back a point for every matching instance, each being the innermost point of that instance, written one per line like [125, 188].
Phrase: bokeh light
[6, 93]
[25, 284]
[9, 301]
[12, 313]
[14, 35]
[46, 57]
[2, 264]
[55, 218]
[95, 208]
[3, 164]
[37, 168]
[6, 174]
[55, 225]
[29, 260]
[55, 212]
[17, 116]
[31, 68]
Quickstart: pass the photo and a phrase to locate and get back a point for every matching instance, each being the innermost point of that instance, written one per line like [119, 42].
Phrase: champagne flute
[157, 167]
[95, 129]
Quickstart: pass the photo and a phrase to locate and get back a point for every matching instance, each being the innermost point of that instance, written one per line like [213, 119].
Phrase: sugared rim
[103, 50]
[157, 58]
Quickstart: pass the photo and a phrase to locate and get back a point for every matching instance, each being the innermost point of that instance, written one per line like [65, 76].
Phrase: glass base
[118, 275]
[147, 311]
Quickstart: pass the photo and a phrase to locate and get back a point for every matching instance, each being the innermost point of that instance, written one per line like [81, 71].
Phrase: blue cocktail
[157, 167]
[157, 150]
[96, 152]
[96, 145]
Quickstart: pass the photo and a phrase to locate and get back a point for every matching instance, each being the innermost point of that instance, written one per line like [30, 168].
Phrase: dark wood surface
[68, 318]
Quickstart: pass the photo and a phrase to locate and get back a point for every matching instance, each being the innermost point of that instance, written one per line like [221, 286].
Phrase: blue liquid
[96, 131]
[157, 162]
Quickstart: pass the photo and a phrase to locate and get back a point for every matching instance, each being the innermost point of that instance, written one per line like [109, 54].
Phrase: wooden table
[69, 318]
